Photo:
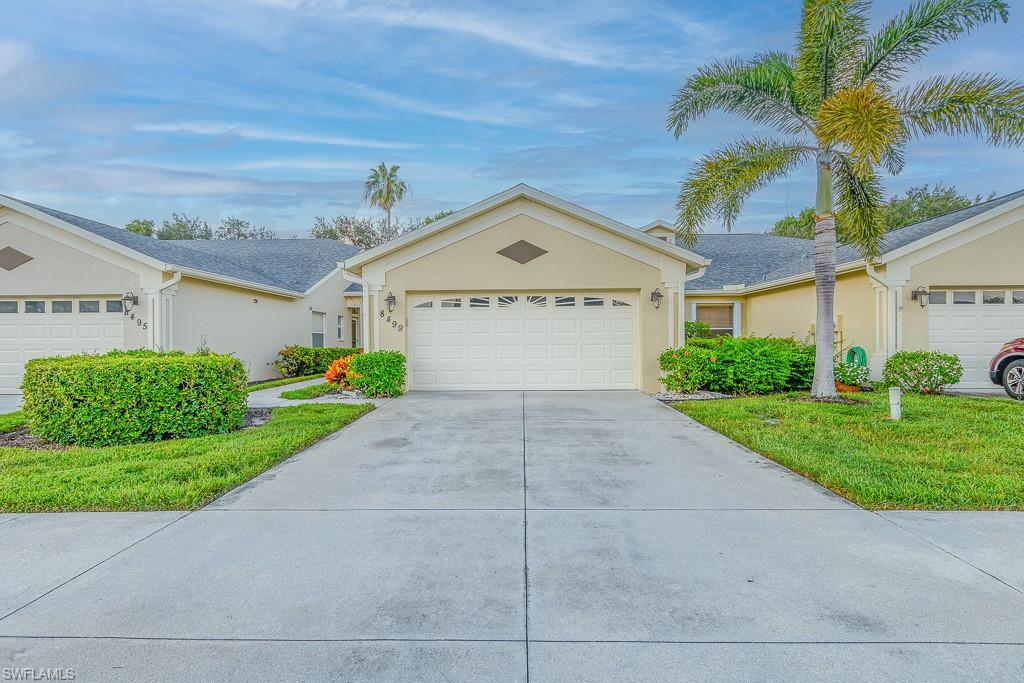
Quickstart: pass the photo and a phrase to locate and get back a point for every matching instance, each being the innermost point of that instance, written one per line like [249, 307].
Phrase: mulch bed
[675, 397]
[20, 438]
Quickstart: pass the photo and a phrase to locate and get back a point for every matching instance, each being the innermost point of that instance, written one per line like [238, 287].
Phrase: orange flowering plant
[340, 372]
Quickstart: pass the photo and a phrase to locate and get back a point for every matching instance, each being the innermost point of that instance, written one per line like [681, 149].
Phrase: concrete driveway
[491, 537]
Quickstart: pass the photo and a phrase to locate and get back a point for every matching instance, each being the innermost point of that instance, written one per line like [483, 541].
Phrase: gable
[993, 258]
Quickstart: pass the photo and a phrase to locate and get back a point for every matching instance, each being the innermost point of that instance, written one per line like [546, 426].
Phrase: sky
[275, 110]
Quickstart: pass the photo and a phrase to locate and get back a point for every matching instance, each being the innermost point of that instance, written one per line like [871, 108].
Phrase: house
[520, 290]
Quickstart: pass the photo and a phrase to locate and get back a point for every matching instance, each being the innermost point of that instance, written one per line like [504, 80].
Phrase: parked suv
[1007, 368]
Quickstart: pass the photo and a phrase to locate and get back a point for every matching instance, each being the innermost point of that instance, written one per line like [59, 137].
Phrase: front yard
[180, 474]
[948, 452]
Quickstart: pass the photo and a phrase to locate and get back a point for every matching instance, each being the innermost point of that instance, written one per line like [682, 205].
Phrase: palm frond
[860, 204]
[894, 158]
[722, 180]
[912, 33]
[863, 120]
[760, 90]
[830, 35]
[982, 105]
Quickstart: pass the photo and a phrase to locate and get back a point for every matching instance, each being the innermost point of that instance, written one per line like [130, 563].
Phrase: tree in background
[364, 233]
[232, 228]
[437, 216]
[184, 227]
[384, 189]
[841, 102]
[141, 226]
[917, 204]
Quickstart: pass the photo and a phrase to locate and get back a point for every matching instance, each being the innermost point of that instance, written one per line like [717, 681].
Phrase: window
[425, 304]
[965, 297]
[592, 301]
[479, 302]
[88, 306]
[718, 317]
[35, 307]
[538, 300]
[1018, 296]
[8, 306]
[993, 297]
[115, 306]
[507, 301]
[318, 330]
[937, 297]
[616, 302]
[451, 303]
[341, 327]
[60, 307]
[565, 301]
[355, 332]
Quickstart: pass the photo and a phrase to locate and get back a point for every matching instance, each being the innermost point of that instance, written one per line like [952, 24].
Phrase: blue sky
[274, 110]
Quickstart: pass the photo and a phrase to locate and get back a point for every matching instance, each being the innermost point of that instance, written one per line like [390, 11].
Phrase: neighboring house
[64, 280]
[520, 291]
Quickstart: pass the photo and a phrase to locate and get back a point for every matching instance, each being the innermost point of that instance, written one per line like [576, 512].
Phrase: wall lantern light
[656, 297]
[920, 295]
[130, 300]
[391, 301]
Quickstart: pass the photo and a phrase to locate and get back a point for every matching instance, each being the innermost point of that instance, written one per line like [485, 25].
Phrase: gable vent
[522, 251]
[11, 258]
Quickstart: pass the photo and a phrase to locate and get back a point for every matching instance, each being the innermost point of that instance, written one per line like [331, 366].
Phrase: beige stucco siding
[252, 325]
[573, 263]
[993, 260]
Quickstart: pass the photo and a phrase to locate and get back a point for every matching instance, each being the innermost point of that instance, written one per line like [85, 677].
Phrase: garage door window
[592, 301]
[993, 297]
[963, 297]
[115, 306]
[1018, 296]
[937, 298]
[8, 306]
[479, 302]
[538, 300]
[451, 303]
[60, 307]
[565, 301]
[35, 307]
[88, 306]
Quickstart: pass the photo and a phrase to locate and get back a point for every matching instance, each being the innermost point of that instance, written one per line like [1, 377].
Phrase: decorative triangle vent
[11, 258]
[522, 251]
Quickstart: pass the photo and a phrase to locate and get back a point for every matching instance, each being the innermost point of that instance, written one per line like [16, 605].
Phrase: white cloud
[268, 134]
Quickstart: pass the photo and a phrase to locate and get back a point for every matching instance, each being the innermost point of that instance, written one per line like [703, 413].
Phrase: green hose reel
[857, 356]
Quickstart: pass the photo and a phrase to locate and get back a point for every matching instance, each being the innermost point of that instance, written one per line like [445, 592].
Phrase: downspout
[682, 302]
[364, 314]
[175, 279]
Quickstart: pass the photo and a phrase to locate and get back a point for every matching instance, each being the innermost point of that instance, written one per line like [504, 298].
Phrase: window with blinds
[718, 317]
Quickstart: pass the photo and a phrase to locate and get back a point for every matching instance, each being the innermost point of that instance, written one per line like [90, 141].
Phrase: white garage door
[973, 324]
[39, 327]
[529, 340]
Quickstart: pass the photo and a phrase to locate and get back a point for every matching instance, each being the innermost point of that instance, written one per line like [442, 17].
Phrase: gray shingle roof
[753, 258]
[291, 264]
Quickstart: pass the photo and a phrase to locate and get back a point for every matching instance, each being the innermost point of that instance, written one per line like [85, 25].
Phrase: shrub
[852, 374]
[340, 372]
[299, 361]
[134, 396]
[378, 373]
[697, 330]
[926, 372]
[747, 365]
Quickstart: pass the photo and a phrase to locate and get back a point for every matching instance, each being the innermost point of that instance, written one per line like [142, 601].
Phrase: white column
[898, 332]
[669, 291]
[882, 326]
[737, 319]
[166, 338]
[376, 319]
[149, 295]
[682, 312]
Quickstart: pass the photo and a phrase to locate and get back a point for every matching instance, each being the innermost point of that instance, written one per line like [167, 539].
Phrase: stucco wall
[993, 260]
[571, 264]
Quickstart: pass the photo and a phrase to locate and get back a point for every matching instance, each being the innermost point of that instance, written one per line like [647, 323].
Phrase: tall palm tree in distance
[840, 102]
[384, 189]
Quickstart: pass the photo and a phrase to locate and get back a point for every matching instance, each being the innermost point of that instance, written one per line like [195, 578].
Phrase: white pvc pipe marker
[896, 402]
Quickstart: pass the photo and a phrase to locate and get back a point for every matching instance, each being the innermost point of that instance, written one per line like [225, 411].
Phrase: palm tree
[384, 188]
[840, 103]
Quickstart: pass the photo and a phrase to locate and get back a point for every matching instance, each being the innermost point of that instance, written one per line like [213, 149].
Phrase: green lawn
[168, 475]
[948, 452]
[11, 421]
[312, 391]
[271, 383]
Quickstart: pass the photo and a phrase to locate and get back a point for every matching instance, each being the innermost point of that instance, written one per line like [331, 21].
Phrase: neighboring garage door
[528, 340]
[973, 324]
[39, 327]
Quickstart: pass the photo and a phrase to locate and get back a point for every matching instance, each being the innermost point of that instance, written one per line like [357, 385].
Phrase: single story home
[522, 290]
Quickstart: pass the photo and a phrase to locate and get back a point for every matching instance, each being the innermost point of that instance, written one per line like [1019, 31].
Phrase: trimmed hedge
[130, 397]
[298, 361]
[378, 373]
[745, 365]
[925, 372]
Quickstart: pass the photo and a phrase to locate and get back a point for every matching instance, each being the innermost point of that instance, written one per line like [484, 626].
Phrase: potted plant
[850, 378]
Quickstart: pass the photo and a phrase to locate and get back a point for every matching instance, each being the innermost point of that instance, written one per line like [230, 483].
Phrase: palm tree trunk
[824, 384]
[388, 224]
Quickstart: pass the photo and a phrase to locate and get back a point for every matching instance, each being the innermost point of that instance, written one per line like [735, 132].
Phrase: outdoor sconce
[391, 301]
[656, 297]
[129, 300]
[920, 295]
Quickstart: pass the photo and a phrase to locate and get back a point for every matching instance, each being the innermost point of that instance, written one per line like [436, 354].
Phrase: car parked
[1007, 368]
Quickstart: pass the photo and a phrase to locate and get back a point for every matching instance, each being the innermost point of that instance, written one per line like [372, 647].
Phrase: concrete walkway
[506, 536]
[271, 398]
